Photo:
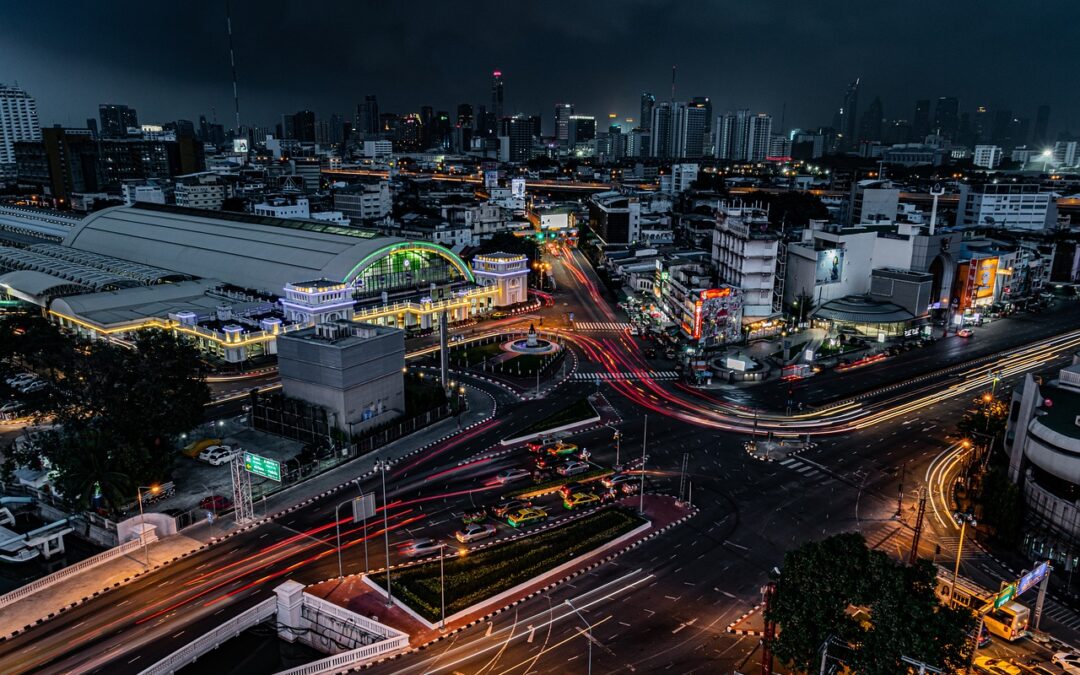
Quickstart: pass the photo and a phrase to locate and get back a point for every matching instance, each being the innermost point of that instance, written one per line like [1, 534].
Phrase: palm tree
[89, 471]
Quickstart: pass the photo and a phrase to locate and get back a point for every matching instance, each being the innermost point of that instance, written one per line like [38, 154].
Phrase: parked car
[572, 468]
[965, 333]
[10, 408]
[580, 500]
[523, 517]
[20, 378]
[216, 455]
[421, 547]
[1068, 661]
[475, 532]
[988, 664]
[215, 503]
[505, 508]
[511, 475]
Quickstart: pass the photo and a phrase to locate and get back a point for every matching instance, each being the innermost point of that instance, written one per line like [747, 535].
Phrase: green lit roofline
[442, 251]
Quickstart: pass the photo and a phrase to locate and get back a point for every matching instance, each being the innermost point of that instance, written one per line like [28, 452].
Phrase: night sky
[170, 59]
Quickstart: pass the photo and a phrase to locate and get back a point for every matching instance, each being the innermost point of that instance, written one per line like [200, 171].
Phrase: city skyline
[70, 72]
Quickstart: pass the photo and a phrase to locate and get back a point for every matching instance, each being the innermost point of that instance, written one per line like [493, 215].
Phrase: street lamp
[337, 530]
[154, 489]
[382, 466]
[588, 633]
[963, 519]
[442, 585]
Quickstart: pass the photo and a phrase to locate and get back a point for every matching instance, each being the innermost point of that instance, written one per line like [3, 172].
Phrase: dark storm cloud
[170, 60]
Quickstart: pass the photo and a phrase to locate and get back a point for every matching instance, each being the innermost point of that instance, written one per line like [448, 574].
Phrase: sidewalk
[69, 593]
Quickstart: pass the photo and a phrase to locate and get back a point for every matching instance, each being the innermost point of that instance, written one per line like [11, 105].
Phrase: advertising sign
[985, 278]
[517, 187]
[240, 146]
[491, 179]
[830, 266]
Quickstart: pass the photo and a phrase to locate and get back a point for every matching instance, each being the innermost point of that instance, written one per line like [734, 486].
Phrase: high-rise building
[870, 125]
[580, 128]
[465, 118]
[662, 130]
[116, 119]
[516, 144]
[706, 104]
[980, 125]
[18, 122]
[536, 123]
[732, 131]
[690, 123]
[758, 136]
[648, 101]
[497, 94]
[411, 132]
[848, 127]
[1042, 123]
[920, 123]
[947, 116]
[367, 116]
[304, 126]
[563, 111]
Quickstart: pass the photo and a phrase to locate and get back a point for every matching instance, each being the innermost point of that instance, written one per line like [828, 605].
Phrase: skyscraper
[580, 128]
[18, 122]
[516, 143]
[647, 103]
[367, 116]
[661, 127]
[947, 116]
[704, 103]
[688, 140]
[497, 94]
[920, 123]
[563, 111]
[465, 115]
[1042, 124]
[849, 115]
[870, 124]
[304, 126]
[116, 119]
[732, 131]
[758, 135]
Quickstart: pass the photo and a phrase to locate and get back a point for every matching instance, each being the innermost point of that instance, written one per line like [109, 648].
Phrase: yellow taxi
[560, 449]
[526, 516]
[580, 500]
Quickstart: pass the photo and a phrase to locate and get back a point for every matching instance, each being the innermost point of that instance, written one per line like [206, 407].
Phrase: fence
[71, 570]
[350, 659]
[213, 639]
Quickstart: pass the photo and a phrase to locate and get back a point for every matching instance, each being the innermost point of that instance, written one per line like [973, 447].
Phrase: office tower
[18, 122]
[497, 94]
[947, 116]
[849, 115]
[367, 116]
[536, 124]
[661, 130]
[184, 129]
[870, 124]
[920, 123]
[411, 132]
[516, 144]
[980, 124]
[465, 118]
[648, 101]
[704, 103]
[92, 125]
[1042, 123]
[732, 131]
[563, 111]
[580, 129]
[689, 125]
[304, 126]
[116, 119]
[1001, 132]
[758, 135]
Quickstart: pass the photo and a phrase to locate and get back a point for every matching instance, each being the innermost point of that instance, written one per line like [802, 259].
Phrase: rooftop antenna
[232, 61]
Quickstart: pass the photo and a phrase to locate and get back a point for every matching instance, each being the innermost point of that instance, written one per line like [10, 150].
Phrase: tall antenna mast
[673, 84]
[232, 61]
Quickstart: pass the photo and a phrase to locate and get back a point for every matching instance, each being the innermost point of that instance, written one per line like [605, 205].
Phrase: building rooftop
[862, 309]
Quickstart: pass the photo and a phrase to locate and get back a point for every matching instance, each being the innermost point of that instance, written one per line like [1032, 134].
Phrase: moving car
[580, 500]
[560, 449]
[421, 547]
[506, 508]
[511, 475]
[616, 479]
[965, 333]
[474, 532]
[1068, 661]
[528, 516]
[10, 408]
[216, 455]
[215, 503]
[477, 516]
[988, 664]
[572, 468]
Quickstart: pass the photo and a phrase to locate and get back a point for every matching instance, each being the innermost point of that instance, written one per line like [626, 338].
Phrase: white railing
[347, 616]
[213, 639]
[71, 570]
[350, 659]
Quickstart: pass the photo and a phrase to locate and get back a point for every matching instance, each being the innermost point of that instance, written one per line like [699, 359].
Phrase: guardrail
[348, 616]
[71, 570]
[213, 639]
[350, 659]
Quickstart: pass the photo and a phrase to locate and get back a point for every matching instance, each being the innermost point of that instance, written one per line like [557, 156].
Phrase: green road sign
[1004, 595]
[262, 466]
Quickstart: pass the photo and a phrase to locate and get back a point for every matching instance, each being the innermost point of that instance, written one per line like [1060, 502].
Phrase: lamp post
[442, 585]
[382, 466]
[963, 519]
[337, 531]
[588, 633]
[154, 489]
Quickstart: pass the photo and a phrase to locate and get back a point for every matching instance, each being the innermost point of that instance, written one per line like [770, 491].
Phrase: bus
[1010, 621]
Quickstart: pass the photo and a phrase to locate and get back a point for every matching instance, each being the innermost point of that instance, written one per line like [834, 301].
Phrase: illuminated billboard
[985, 278]
[830, 266]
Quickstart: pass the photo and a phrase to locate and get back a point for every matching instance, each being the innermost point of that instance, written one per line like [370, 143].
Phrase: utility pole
[768, 593]
[918, 528]
[641, 492]
[900, 491]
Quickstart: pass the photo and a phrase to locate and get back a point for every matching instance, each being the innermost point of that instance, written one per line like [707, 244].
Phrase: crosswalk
[628, 375]
[601, 326]
[1061, 614]
[802, 468]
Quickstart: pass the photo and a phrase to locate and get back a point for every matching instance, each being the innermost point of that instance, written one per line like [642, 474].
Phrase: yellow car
[579, 500]
[988, 664]
[523, 517]
[560, 449]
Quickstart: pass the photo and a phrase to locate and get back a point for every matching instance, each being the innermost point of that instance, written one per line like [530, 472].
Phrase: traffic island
[549, 565]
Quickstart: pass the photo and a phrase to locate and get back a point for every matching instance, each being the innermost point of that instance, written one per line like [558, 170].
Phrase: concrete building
[759, 133]
[987, 156]
[18, 122]
[744, 253]
[141, 192]
[201, 191]
[354, 370]
[117, 120]
[284, 207]
[1043, 442]
[873, 201]
[1009, 206]
[365, 202]
[615, 217]
[378, 149]
[563, 111]
[508, 272]
[679, 180]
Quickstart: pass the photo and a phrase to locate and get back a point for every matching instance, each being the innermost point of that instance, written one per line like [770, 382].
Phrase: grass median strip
[477, 576]
[577, 411]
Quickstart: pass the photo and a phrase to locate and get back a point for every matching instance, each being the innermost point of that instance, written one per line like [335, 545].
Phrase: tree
[1002, 504]
[988, 418]
[509, 243]
[822, 580]
[793, 209]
